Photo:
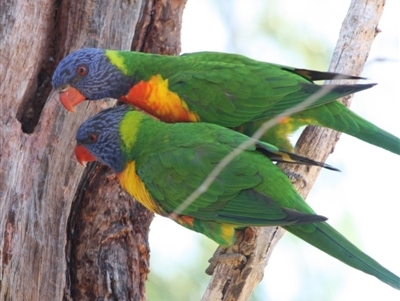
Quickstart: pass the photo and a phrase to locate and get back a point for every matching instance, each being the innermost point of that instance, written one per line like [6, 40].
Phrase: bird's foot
[222, 256]
[236, 255]
[295, 177]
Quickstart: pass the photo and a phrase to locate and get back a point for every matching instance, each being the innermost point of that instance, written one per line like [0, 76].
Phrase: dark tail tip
[300, 218]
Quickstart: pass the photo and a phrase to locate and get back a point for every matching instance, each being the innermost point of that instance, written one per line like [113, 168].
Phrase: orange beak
[83, 155]
[70, 97]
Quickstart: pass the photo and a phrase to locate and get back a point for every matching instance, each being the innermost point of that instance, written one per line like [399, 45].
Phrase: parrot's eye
[82, 70]
[92, 138]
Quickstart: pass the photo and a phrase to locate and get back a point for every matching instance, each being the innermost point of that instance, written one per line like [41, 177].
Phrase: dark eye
[92, 138]
[82, 70]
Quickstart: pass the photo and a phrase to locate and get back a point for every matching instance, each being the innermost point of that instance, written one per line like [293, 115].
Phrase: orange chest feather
[131, 182]
[155, 98]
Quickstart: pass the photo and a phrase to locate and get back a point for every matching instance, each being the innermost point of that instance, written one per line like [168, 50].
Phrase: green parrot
[161, 164]
[226, 89]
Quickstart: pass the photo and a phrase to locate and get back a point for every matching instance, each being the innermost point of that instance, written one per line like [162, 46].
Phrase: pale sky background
[362, 202]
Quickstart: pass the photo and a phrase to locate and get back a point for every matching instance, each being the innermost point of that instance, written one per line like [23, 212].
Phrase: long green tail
[337, 117]
[333, 115]
[327, 239]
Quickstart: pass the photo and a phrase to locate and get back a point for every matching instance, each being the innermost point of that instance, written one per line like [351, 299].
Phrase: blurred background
[362, 202]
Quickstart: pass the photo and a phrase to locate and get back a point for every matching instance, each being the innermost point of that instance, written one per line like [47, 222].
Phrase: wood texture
[48, 252]
[358, 31]
[110, 252]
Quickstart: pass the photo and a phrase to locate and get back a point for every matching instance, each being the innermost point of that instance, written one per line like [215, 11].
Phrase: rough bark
[237, 281]
[65, 234]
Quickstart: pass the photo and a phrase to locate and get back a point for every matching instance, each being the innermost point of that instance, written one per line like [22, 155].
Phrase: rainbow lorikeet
[161, 164]
[226, 89]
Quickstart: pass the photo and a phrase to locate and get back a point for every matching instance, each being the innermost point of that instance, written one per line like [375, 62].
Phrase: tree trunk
[67, 233]
[236, 281]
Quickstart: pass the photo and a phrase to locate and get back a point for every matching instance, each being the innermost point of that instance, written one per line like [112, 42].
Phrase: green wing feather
[243, 89]
[172, 175]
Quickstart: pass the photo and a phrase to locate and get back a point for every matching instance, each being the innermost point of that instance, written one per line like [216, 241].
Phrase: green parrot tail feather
[328, 240]
[340, 118]
[301, 218]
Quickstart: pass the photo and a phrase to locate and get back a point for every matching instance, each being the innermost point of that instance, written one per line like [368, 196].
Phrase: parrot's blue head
[88, 74]
[98, 138]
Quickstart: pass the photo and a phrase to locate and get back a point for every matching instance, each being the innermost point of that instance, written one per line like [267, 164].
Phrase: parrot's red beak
[70, 97]
[83, 155]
